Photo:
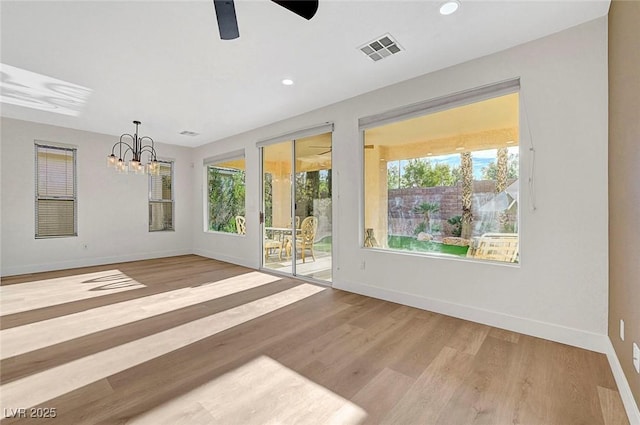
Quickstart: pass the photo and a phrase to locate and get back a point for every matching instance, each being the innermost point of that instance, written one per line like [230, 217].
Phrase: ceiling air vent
[381, 48]
[188, 133]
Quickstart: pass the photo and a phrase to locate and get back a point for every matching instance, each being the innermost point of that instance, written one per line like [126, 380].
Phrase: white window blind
[56, 202]
[161, 198]
[225, 157]
[298, 134]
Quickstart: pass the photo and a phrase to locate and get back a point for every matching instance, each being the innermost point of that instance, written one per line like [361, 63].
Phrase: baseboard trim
[633, 413]
[221, 257]
[87, 262]
[565, 335]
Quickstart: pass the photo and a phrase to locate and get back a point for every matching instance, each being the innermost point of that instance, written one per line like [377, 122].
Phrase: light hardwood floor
[189, 340]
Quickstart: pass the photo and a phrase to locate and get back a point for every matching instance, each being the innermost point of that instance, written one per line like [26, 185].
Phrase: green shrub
[456, 225]
[420, 228]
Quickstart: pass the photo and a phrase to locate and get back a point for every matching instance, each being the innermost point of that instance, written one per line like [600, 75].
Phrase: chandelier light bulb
[153, 168]
[121, 167]
[112, 161]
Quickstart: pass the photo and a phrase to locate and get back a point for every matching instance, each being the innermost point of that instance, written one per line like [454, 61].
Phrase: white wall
[559, 291]
[112, 208]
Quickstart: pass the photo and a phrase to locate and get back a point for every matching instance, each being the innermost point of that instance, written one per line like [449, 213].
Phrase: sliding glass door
[297, 228]
[313, 206]
[277, 198]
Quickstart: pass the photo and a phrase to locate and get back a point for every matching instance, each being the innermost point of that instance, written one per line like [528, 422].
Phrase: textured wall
[403, 219]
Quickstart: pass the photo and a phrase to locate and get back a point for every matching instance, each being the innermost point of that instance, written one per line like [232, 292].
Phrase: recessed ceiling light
[287, 82]
[449, 7]
[460, 148]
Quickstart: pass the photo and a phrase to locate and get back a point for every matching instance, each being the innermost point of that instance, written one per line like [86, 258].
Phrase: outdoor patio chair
[496, 247]
[241, 227]
[271, 245]
[297, 222]
[306, 236]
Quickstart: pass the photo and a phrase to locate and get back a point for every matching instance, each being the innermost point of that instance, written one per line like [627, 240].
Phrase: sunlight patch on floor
[22, 297]
[22, 339]
[262, 391]
[54, 382]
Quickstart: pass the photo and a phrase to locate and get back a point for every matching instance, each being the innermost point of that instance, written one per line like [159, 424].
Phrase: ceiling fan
[322, 147]
[228, 24]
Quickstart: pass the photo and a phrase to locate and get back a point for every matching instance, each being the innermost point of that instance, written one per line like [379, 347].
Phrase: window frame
[163, 201]
[215, 162]
[39, 144]
[428, 107]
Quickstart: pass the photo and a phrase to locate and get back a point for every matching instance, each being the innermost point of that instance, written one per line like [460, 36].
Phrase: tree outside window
[226, 195]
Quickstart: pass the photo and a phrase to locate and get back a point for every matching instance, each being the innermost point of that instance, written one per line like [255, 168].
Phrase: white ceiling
[163, 63]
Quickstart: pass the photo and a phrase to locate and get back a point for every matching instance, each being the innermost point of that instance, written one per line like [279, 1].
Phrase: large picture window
[161, 198]
[56, 201]
[446, 182]
[226, 195]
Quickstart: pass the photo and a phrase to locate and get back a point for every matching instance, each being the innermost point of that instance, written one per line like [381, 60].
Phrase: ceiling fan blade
[227, 22]
[305, 8]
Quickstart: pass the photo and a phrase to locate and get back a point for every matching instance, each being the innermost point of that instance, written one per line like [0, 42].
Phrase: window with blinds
[161, 198]
[56, 200]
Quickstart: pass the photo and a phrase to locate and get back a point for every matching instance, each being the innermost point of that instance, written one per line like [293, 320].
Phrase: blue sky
[480, 160]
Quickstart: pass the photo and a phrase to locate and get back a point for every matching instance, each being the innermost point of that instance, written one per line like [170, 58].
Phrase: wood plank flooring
[189, 340]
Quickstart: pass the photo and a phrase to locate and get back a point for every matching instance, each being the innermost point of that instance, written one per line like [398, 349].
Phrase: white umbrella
[513, 190]
[498, 202]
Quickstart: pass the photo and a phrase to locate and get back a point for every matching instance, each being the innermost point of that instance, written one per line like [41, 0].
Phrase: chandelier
[136, 148]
